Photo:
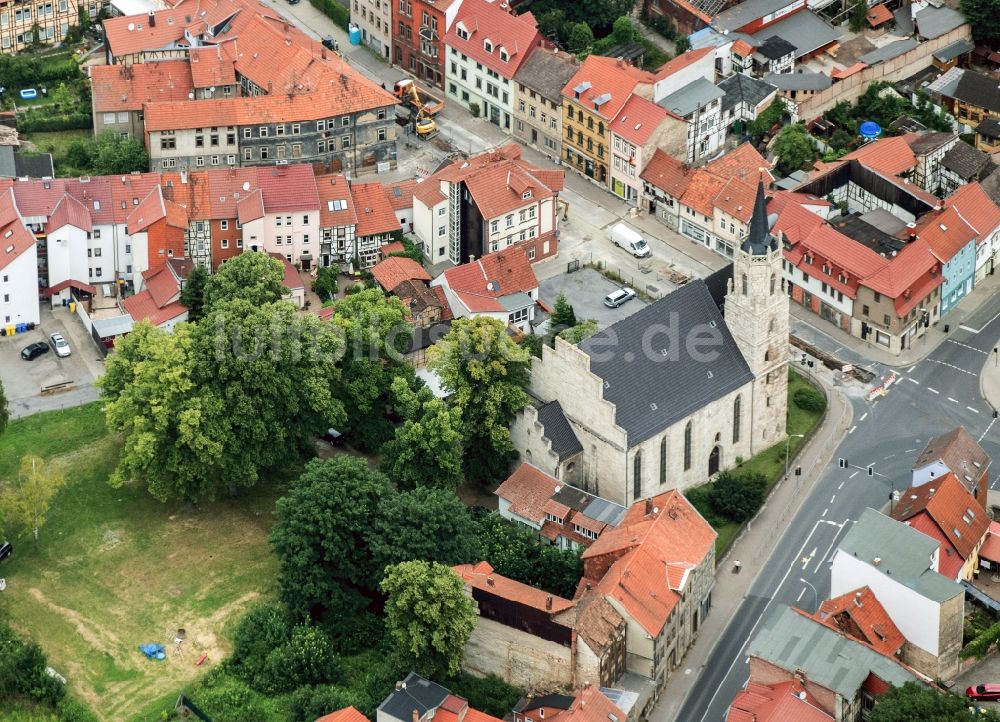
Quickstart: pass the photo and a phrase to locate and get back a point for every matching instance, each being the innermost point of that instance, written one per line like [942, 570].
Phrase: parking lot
[985, 672]
[585, 290]
[23, 380]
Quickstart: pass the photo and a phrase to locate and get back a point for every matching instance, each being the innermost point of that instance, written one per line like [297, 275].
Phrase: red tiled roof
[348, 714]
[878, 15]
[672, 532]
[667, 173]
[742, 48]
[498, 274]
[776, 703]
[499, 188]
[292, 280]
[401, 194]
[702, 190]
[990, 549]
[737, 199]
[909, 271]
[891, 156]
[638, 119]
[142, 307]
[743, 162]
[782, 198]
[69, 283]
[865, 611]
[841, 73]
[528, 489]
[605, 76]
[428, 192]
[131, 34]
[374, 210]
[591, 705]
[486, 21]
[446, 314]
[976, 208]
[15, 239]
[950, 505]
[149, 211]
[162, 285]
[127, 87]
[331, 189]
[950, 561]
[226, 187]
[794, 221]
[394, 270]
[387, 249]
[69, 212]
[474, 715]
[212, 66]
[945, 232]
[288, 188]
[480, 576]
[250, 207]
[680, 62]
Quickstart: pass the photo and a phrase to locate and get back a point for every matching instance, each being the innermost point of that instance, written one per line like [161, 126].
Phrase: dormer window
[487, 46]
[503, 55]
[526, 195]
[462, 32]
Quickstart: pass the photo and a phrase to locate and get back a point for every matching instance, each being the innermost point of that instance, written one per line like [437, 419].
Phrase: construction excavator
[422, 105]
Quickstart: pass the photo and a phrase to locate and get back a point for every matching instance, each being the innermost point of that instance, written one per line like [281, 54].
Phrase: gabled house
[590, 704]
[416, 699]
[538, 117]
[500, 285]
[377, 222]
[963, 164]
[953, 243]
[487, 44]
[159, 303]
[566, 516]
[842, 676]
[776, 703]
[978, 210]
[901, 567]
[745, 98]
[641, 128]
[859, 615]
[944, 510]
[929, 150]
[282, 215]
[18, 266]
[959, 453]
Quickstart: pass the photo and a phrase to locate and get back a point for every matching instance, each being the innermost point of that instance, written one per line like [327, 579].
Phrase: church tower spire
[756, 313]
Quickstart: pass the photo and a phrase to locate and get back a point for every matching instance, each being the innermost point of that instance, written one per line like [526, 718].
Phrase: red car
[984, 692]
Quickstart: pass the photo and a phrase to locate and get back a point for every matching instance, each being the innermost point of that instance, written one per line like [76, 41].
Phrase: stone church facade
[673, 394]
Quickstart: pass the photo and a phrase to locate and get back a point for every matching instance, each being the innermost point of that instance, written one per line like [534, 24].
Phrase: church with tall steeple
[672, 394]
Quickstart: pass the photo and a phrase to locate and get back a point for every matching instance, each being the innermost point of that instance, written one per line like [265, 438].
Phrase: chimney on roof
[548, 602]
[857, 599]
[649, 507]
[876, 561]
[184, 176]
[416, 716]
[490, 582]
[472, 258]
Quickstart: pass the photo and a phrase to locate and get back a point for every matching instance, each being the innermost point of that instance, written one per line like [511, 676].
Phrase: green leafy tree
[515, 551]
[914, 701]
[840, 140]
[794, 148]
[738, 496]
[253, 277]
[62, 97]
[428, 524]
[193, 293]
[22, 672]
[485, 373]
[859, 14]
[623, 31]
[768, 118]
[4, 409]
[410, 250]
[376, 333]
[79, 155]
[982, 17]
[579, 332]
[25, 500]
[581, 37]
[115, 155]
[428, 615]
[323, 526]
[533, 344]
[263, 628]
[553, 24]
[563, 315]
[325, 285]
[427, 448]
[842, 116]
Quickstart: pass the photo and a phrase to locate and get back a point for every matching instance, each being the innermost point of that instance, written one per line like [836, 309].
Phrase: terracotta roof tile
[336, 203]
[485, 21]
[950, 562]
[878, 15]
[212, 66]
[226, 188]
[396, 269]
[142, 307]
[891, 156]
[131, 34]
[776, 703]
[590, 705]
[16, 239]
[69, 212]
[348, 714]
[702, 190]
[911, 270]
[127, 87]
[955, 511]
[976, 209]
[737, 199]
[149, 211]
[446, 314]
[499, 188]
[667, 173]
[401, 194]
[480, 576]
[638, 119]
[743, 162]
[528, 489]
[428, 192]
[945, 232]
[250, 207]
[682, 61]
[491, 277]
[600, 76]
[374, 210]
[864, 610]
[596, 621]
[794, 221]
[961, 453]
[991, 547]
[742, 48]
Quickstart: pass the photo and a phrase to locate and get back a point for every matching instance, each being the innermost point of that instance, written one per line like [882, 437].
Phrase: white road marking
[912, 381]
[852, 429]
[910, 370]
[830, 548]
[967, 328]
[889, 456]
[841, 486]
[832, 498]
[853, 475]
[806, 560]
[909, 451]
[975, 411]
[825, 511]
[964, 345]
[863, 416]
[799, 598]
[954, 401]
[988, 429]
[933, 391]
[952, 366]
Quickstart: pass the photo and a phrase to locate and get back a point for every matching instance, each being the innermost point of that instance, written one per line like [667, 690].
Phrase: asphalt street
[929, 398]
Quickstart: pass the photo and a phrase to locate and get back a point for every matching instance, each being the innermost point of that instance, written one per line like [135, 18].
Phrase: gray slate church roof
[558, 431]
[652, 376]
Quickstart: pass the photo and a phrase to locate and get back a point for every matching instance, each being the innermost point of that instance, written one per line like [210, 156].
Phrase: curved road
[930, 398]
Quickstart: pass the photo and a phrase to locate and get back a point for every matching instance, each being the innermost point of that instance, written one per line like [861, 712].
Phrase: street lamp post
[815, 593]
[788, 441]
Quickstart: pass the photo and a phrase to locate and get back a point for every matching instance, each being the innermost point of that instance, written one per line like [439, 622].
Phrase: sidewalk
[925, 344]
[753, 548]
[989, 382]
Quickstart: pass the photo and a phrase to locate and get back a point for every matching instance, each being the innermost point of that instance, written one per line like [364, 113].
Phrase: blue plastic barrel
[22, 327]
[354, 34]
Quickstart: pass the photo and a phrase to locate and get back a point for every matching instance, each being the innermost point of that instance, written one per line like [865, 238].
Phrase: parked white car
[633, 242]
[60, 345]
[617, 298]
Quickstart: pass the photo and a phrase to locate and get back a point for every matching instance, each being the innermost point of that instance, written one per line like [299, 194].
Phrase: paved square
[585, 289]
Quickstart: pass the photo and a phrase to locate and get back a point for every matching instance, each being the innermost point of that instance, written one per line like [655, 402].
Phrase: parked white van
[623, 236]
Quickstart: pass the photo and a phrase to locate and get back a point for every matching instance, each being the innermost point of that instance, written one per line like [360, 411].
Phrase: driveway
[585, 289]
[985, 672]
[23, 380]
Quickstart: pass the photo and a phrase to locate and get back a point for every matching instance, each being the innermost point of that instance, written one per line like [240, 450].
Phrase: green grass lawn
[771, 462]
[117, 568]
[57, 142]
